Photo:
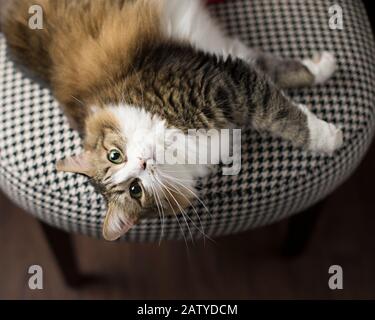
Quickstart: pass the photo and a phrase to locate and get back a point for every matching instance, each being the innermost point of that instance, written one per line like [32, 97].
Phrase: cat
[127, 71]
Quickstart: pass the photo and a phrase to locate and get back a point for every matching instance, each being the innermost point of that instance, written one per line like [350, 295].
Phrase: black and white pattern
[276, 180]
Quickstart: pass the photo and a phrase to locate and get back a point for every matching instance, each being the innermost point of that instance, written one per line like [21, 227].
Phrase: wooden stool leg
[300, 230]
[61, 245]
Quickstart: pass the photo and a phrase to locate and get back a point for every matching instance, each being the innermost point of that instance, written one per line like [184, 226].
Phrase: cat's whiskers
[182, 211]
[170, 205]
[180, 179]
[178, 221]
[157, 205]
[155, 181]
[186, 188]
[181, 169]
[160, 209]
[201, 229]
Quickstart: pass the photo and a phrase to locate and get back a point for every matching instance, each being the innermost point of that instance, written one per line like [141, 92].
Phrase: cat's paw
[322, 66]
[325, 137]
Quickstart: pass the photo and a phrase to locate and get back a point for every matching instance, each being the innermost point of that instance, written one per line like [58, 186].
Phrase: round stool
[276, 180]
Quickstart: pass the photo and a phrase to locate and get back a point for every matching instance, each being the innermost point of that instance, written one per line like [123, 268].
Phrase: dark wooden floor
[246, 266]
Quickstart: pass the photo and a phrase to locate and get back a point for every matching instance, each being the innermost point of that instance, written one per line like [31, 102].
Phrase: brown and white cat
[127, 71]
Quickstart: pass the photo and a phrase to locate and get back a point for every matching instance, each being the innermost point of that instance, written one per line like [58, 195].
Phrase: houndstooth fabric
[276, 180]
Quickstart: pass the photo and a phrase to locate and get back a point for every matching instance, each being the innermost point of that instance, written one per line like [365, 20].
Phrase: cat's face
[119, 157]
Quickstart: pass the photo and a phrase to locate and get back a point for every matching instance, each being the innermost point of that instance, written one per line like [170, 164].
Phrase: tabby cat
[127, 71]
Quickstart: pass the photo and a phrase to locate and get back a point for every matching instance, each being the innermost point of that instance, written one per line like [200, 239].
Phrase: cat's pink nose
[142, 164]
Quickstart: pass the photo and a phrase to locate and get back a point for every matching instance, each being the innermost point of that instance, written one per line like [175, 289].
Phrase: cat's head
[120, 158]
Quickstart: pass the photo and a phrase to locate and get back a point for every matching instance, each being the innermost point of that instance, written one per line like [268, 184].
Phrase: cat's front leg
[189, 20]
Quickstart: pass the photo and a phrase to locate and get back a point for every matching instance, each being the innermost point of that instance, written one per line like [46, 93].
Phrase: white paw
[325, 137]
[322, 66]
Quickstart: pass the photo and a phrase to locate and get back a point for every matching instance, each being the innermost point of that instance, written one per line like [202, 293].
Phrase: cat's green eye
[135, 190]
[115, 156]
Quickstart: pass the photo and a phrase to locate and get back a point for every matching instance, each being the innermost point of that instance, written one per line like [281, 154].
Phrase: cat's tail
[27, 38]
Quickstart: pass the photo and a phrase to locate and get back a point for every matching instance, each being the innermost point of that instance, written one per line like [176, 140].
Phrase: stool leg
[300, 230]
[61, 245]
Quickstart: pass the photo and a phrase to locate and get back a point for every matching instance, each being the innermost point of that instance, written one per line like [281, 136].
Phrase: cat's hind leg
[323, 136]
[303, 128]
[189, 20]
[294, 73]
[273, 112]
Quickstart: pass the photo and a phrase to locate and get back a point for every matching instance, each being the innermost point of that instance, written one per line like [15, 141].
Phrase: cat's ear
[82, 164]
[116, 223]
